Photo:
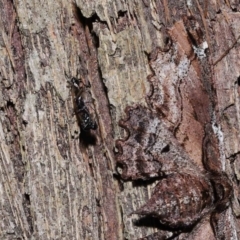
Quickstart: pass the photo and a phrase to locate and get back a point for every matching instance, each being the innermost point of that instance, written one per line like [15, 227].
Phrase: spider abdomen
[179, 200]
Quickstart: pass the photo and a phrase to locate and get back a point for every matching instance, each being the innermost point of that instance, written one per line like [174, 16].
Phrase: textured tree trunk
[179, 59]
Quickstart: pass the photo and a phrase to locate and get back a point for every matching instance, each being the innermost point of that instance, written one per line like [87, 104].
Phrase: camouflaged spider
[83, 102]
[184, 194]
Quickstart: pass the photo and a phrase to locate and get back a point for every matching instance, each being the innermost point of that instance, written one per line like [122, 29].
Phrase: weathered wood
[179, 58]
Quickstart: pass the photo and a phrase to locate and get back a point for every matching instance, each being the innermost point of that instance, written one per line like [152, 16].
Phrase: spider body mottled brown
[185, 193]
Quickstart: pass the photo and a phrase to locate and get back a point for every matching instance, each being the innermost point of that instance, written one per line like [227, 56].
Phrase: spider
[83, 102]
[184, 194]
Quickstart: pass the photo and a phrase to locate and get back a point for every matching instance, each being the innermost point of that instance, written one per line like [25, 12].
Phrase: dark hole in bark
[122, 13]
[24, 123]
[27, 197]
[10, 104]
[165, 149]
[238, 81]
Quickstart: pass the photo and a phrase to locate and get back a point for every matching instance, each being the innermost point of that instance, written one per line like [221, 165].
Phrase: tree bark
[179, 59]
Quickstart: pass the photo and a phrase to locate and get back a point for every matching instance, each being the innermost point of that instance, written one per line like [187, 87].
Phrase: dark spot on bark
[122, 13]
[166, 149]
[24, 122]
[151, 139]
[138, 137]
[27, 210]
[238, 81]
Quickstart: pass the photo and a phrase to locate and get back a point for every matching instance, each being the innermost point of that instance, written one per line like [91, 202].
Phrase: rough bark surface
[179, 59]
